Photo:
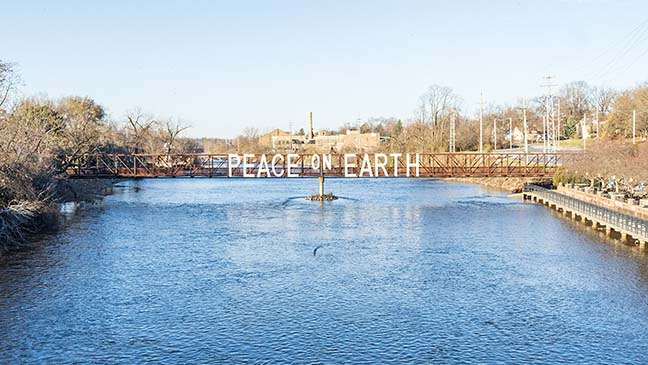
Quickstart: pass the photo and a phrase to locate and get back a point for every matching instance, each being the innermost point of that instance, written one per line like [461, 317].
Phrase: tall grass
[19, 220]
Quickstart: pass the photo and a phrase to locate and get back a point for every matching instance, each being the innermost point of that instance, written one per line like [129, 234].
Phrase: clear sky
[227, 65]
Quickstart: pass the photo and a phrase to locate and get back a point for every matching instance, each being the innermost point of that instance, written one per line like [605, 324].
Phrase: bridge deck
[429, 165]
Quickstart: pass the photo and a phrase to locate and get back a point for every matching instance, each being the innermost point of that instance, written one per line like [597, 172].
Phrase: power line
[634, 61]
[628, 36]
[628, 47]
[623, 48]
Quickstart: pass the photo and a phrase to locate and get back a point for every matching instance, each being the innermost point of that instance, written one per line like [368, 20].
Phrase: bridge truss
[431, 165]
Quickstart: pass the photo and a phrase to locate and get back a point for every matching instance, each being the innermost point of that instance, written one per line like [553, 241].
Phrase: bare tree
[139, 127]
[604, 99]
[30, 131]
[576, 99]
[619, 120]
[251, 133]
[435, 107]
[169, 133]
[8, 81]
[83, 125]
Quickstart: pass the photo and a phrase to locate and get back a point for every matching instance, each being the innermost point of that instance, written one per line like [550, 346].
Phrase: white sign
[367, 165]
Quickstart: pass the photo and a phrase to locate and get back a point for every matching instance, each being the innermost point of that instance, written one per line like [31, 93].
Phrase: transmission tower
[551, 134]
[452, 133]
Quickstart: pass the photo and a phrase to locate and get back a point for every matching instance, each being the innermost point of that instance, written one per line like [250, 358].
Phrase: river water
[246, 271]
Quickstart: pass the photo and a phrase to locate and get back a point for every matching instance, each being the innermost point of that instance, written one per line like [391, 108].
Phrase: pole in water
[320, 179]
[321, 196]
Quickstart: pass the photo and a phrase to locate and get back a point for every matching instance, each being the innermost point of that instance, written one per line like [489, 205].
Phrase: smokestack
[310, 126]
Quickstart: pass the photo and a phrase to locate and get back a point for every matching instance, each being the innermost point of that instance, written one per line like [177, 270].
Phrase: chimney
[310, 126]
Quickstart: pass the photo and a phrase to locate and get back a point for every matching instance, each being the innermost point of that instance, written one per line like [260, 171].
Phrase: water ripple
[248, 272]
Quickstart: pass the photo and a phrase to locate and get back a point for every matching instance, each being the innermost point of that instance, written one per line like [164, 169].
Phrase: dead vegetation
[20, 220]
[609, 160]
[41, 137]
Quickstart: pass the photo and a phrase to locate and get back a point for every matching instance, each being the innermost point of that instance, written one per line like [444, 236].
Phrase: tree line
[577, 104]
[40, 137]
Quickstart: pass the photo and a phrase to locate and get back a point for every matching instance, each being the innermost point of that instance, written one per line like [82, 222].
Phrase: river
[397, 271]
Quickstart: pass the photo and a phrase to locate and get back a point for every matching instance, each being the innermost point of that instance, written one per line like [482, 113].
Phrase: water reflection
[416, 271]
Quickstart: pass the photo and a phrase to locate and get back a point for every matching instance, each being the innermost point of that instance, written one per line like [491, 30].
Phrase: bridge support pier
[320, 180]
[627, 237]
[321, 196]
[613, 233]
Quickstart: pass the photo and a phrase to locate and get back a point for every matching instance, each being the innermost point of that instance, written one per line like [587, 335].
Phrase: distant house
[536, 136]
[352, 140]
[287, 142]
[518, 136]
[266, 140]
[320, 142]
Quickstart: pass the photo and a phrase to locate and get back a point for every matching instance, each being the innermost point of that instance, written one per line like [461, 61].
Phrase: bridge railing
[636, 227]
[464, 164]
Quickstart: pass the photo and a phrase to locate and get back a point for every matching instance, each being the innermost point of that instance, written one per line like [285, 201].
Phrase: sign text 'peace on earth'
[278, 165]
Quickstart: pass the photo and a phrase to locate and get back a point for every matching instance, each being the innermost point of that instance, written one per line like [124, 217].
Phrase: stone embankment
[612, 201]
[510, 184]
[598, 212]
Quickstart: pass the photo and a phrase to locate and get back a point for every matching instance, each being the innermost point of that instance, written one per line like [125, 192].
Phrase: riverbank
[21, 220]
[617, 221]
[510, 184]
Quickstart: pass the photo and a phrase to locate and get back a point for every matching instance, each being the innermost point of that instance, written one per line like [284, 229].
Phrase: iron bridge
[430, 165]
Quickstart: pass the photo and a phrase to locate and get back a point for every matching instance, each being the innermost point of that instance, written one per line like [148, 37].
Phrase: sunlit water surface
[183, 271]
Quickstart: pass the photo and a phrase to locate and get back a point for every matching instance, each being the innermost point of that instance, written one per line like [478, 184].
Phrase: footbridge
[423, 165]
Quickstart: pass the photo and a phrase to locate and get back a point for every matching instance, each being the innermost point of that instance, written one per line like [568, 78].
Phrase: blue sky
[226, 65]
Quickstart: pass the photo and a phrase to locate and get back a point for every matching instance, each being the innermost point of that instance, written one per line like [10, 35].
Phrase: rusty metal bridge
[428, 165]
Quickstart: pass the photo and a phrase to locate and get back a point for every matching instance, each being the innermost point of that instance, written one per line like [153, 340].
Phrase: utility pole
[583, 132]
[481, 122]
[452, 133]
[510, 133]
[550, 117]
[310, 127]
[557, 135]
[597, 122]
[494, 134]
[544, 133]
[526, 131]
[634, 126]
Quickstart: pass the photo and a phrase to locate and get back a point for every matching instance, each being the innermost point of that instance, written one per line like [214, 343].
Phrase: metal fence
[634, 226]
